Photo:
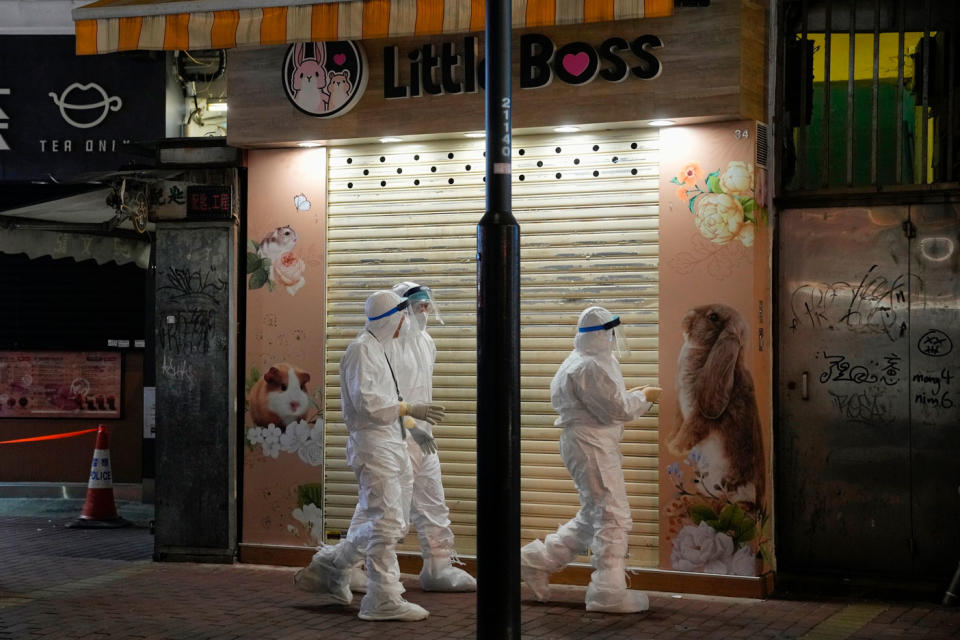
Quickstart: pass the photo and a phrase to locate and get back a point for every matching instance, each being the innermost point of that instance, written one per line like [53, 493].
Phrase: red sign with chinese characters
[209, 202]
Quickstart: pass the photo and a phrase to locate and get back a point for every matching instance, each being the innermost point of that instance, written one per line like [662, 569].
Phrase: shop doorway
[868, 427]
[589, 213]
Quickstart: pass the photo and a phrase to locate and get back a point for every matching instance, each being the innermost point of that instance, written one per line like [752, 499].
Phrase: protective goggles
[389, 312]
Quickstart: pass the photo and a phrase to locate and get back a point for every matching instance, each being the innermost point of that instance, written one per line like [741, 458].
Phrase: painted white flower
[271, 434]
[718, 216]
[700, 547]
[311, 516]
[292, 529]
[271, 448]
[747, 233]
[317, 432]
[743, 562]
[255, 435]
[295, 436]
[737, 180]
[312, 453]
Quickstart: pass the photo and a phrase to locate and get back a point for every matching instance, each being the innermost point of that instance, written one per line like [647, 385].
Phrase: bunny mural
[718, 519]
[324, 79]
[309, 79]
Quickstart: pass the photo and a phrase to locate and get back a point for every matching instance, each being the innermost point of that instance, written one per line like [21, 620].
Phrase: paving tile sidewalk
[66, 583]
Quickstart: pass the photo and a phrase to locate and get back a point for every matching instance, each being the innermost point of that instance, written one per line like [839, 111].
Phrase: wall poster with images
[59, 384]
[283, 421]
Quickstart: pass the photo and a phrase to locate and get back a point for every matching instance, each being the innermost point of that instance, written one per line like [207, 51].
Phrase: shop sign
[62, 115]
[450, 71]
[324, 79]
[209, 202]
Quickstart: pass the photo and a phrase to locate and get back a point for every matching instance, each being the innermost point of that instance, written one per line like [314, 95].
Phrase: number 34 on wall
[741, 134]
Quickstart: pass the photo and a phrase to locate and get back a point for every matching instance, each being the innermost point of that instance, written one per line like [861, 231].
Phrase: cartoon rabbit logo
[324, 79]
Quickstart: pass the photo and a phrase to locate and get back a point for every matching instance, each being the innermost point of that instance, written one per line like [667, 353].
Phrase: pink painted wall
[714, 248]
[283, 463]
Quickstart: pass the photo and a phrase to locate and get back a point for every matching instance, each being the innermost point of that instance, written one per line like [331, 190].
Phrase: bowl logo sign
[324, 79]
[98, 109]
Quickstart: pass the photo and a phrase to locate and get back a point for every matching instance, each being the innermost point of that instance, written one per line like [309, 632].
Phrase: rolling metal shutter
[588, 214]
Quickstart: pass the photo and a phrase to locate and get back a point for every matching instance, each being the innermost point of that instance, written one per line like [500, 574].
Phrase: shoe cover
[531, 569]
[391, 610]
[616, 601]
[323, 576]
[439, 575]
[358, 579]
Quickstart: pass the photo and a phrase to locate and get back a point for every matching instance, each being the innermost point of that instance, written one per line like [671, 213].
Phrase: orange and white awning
[126, 25]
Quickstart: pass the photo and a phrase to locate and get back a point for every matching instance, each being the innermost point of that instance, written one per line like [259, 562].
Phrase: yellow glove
[428, 412]
[650, 394]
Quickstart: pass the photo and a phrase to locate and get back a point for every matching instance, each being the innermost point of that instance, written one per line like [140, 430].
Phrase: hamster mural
[272, 261]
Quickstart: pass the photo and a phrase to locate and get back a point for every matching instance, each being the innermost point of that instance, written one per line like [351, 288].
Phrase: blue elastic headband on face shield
[610, 324]
[420, 293]
[400, 307]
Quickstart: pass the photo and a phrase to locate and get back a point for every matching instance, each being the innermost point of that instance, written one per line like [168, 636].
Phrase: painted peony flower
[746, 235]
[737, 180]
[288, 271]
[311, 452]
[295, 436]
[718, 216]
[696, 548]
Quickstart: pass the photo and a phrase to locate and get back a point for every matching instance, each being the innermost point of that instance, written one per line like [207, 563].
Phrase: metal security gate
[587, 206]
[869, 391]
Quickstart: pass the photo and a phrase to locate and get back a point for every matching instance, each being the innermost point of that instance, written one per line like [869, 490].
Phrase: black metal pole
[498, 355]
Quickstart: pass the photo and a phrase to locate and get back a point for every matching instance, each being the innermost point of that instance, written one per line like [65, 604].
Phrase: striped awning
[126, 25]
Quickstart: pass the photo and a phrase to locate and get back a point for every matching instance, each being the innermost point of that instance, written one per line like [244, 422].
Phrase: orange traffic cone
[99, 510]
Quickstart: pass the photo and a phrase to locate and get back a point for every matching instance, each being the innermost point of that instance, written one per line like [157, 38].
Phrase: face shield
[423, 304]
[614, 332]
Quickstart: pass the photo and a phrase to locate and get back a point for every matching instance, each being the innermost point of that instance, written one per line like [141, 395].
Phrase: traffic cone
[99, 510]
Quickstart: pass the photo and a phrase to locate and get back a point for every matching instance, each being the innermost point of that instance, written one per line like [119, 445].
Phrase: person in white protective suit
[592, 402]
[378, 421]
[413, 355]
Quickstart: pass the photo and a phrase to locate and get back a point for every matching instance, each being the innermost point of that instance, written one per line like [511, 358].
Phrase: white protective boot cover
[328, 572]
[384, 599]
[533, 569]
[358, 579]
[439, 574]
[607, 591]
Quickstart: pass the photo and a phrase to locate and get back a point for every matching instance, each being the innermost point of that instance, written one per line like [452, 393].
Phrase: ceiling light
[566, 129]
[308, 145]
[391, 139]
[476, 134]
[661, 123]
[217, 104]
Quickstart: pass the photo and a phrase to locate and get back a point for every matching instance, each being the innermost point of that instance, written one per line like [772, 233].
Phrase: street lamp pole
[498, 354]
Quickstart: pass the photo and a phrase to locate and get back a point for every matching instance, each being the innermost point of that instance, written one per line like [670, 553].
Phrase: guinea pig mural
[280, 396]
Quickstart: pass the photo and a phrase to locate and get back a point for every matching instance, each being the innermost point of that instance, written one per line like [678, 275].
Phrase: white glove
[428, 412]
[427, 444]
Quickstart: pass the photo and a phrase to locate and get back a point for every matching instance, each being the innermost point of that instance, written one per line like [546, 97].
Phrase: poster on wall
[59, 384]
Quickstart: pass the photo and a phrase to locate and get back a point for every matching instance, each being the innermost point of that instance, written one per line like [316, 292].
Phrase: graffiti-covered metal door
[869, 411]
[935, 388]
[842, 447]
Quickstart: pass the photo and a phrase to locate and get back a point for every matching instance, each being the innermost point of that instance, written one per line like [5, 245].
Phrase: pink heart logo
[575, 64]
[339, 59]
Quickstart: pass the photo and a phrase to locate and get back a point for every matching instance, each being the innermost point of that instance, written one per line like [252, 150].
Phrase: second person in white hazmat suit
[592, 402]
[414, 354]
[377, 421]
